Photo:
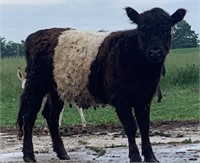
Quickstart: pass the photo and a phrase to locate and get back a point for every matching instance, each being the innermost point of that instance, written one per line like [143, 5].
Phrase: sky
[19, 18]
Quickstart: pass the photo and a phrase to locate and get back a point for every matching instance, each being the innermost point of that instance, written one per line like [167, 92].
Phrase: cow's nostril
[155, 51]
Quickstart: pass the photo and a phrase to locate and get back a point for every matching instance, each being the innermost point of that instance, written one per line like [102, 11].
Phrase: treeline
[182, 37]
[11, 49]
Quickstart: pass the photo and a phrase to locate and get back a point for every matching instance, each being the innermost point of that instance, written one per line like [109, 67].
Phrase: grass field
[180, 89]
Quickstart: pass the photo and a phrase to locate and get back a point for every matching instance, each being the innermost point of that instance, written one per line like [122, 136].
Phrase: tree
[183, 36]
[10, 48]
[2, 46]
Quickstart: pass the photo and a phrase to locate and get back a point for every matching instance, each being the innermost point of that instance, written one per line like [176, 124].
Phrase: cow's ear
[178, 15]
[132, 14]
[20, 74]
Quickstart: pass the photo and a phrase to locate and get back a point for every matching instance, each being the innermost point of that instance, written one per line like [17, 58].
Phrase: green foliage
[183, 36]
[10, 48]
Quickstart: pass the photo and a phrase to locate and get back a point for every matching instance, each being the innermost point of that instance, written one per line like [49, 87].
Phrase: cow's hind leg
[126, 117]
[143, 120]
[51, 112]
[30, 103]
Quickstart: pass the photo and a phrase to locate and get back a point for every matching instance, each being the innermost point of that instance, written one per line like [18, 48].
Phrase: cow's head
[154, 31]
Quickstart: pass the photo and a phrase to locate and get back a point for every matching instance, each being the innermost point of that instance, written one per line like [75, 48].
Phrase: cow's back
[42, 43]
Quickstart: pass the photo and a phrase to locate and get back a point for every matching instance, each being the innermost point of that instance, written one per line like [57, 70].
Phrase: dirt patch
[110, 128]
[172, 142]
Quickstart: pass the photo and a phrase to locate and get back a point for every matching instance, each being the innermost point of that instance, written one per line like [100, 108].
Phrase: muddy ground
[173, 142]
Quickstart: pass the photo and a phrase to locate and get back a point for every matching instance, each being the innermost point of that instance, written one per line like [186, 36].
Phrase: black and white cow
[121, 69]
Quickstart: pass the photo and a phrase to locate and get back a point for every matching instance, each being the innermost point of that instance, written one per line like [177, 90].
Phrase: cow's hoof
[135, 159]
[29, 158]
[63, 156]
[151, 160]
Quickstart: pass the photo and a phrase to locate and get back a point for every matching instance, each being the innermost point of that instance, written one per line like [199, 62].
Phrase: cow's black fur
[125, 74]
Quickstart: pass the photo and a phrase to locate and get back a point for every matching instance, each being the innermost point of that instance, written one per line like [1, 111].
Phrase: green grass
[180, 88]
[183, 57]
[10, 87]
[178, 104]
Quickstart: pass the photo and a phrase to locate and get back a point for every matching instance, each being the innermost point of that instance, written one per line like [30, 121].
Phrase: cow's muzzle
[155, 55]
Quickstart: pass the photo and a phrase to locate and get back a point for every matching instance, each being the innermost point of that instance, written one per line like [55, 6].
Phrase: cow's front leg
[126, 117]
[143, 120]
